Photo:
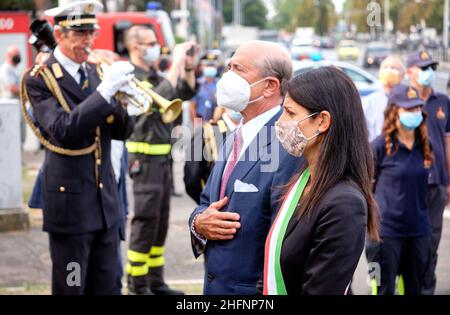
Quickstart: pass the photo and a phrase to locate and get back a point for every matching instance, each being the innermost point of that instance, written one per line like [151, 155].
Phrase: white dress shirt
[374, 105]
[251, 129]
[71, 66]
[116, 157]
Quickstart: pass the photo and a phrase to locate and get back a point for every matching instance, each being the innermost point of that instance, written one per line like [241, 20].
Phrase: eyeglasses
[151, 44]
[85, 33]
[433, 66]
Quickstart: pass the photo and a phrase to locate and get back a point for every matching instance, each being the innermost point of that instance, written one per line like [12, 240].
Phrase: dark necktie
[84, 83]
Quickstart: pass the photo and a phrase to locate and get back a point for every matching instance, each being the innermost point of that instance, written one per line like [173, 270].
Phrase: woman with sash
[317, 238]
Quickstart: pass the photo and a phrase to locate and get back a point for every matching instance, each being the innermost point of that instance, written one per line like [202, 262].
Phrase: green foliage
[254, 12]
[299, 13]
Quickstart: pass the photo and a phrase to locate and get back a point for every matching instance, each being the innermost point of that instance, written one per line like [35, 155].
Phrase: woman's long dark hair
[345, 152]
[390, 131]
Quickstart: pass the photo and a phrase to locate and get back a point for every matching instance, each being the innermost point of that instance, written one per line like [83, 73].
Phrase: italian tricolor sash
[273, 278]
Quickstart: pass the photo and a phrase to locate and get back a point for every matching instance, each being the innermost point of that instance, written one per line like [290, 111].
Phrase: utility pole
[184, 19]
[386, 18]
[445, 31]
[212, 32]
[220, 23]
[237, 12]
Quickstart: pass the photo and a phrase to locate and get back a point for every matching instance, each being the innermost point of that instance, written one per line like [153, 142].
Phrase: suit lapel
[257, 149]
[291, 226]
[220, 166]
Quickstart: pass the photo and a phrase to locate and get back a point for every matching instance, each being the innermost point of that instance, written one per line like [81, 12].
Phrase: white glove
[115, 76]
[144, 101]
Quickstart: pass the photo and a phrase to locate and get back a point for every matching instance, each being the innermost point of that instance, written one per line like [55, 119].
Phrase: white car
[365, 82]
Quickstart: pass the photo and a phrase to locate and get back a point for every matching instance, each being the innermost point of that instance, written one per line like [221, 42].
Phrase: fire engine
[14, 29]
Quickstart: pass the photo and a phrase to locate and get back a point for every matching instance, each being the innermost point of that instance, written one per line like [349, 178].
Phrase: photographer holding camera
[149, 150]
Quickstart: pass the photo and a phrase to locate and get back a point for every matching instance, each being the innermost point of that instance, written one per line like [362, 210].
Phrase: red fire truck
[113, 25]
[14, 29]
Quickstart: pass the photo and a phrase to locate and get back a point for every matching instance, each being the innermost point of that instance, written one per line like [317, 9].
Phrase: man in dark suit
[76, 117]
[242, 194]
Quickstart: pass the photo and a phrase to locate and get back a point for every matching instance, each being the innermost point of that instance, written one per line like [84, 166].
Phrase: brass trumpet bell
[170, 110]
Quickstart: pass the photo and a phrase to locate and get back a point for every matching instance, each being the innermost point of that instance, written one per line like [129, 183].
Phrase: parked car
[365, 82]
[324, 42]
[375, 53]
[402, 41]
[348, 50]
[303, 49]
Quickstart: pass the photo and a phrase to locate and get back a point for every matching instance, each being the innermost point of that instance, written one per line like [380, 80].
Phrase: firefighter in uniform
[75, 116]
[149, 150]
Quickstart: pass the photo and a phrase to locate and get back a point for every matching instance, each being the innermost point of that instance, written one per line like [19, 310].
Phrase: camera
[191, 51]
[42, 36]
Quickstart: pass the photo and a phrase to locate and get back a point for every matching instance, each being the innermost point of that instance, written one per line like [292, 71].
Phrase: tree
[297, 13]
[355, 12]
[254, 12]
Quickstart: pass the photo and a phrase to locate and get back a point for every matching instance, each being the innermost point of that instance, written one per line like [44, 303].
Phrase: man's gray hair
[278, 67]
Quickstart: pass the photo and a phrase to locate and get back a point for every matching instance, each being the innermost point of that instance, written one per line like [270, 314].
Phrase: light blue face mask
[210, 72]
[236, 116]
[426, 77]
[411, 120]
[152, 54]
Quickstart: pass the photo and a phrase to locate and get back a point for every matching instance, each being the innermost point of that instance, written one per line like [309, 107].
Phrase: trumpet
[170, 110]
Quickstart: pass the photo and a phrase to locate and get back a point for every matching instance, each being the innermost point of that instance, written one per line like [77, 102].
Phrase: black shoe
[138, 286]
[146, 291]
[155, 279]
[165, 290]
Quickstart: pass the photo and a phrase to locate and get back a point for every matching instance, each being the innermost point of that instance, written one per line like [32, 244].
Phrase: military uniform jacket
[150, 128]
[76, 200]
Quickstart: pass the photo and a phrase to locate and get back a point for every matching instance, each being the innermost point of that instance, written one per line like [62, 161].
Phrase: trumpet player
[76, 116]
[149, 150]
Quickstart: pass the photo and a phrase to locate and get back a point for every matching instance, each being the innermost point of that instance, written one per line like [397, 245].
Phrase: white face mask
[152, 54]
[233, 91]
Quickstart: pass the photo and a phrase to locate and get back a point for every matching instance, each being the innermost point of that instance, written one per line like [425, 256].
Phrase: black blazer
[73, 202]
[319, 254]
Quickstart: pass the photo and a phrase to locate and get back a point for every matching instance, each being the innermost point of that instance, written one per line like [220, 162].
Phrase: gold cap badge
[424, 55]
[411, 93]
[88, 8]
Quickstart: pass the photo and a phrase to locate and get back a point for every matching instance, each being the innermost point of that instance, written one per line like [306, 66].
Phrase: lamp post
[237, 12]
[445, 30]
[387, 5]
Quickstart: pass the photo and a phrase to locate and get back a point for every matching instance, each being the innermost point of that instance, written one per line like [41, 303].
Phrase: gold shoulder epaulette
[36, 69]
